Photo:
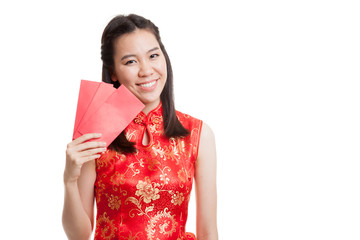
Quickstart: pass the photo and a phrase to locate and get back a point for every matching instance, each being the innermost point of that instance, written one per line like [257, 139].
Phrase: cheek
[126, 76]
[161, 67]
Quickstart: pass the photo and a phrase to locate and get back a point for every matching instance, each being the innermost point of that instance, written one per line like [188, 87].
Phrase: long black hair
[118, 26]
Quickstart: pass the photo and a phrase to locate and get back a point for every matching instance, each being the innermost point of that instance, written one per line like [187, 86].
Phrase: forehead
[136, 42]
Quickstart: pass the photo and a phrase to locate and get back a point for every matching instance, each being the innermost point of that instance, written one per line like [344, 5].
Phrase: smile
[150, 84]
[147, 84]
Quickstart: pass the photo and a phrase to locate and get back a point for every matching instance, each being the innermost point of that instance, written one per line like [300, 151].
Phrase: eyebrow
[133, 55]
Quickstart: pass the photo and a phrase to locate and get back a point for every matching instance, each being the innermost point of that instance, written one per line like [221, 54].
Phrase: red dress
[145, 195]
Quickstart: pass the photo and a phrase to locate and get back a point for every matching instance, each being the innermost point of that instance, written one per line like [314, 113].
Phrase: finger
[89, 158]
[92, 152]
[84, 138]
[88, 146]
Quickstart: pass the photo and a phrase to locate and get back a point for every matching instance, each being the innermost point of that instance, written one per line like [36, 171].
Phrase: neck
[150, 106]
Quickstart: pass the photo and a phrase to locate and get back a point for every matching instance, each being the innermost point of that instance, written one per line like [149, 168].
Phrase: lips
[148, 85]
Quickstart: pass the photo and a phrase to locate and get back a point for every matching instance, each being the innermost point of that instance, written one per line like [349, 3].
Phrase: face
[140, 66]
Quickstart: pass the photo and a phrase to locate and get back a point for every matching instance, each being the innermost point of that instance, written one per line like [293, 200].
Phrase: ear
[113, 76]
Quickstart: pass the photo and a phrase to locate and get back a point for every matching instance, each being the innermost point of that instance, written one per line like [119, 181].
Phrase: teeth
[147, 85]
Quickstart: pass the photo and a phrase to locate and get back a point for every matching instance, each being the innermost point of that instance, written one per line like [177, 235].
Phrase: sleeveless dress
[145, 195]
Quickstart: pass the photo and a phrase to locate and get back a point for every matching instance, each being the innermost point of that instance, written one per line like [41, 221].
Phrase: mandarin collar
[152, 116]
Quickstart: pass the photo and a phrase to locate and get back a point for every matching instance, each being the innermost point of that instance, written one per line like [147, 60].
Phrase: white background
[277, 81]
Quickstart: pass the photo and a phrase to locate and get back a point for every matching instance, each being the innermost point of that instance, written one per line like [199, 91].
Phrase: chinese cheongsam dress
[145, 195]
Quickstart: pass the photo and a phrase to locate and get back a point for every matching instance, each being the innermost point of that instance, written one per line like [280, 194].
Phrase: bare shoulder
[207, 135]
[207, 152]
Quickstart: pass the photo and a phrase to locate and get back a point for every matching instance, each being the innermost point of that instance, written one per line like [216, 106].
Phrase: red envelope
[104, 109]
[92, 95]
[86, 94]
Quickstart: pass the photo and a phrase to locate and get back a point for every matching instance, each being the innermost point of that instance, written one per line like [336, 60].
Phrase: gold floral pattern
[164, 178]
[117, 178]
[163, 222]
[147, 190]
[145, 195]
[177, 198]
[105, 228]
[114, 201]
[183, 175]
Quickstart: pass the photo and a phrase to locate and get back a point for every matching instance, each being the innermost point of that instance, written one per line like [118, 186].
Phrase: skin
[138, 60]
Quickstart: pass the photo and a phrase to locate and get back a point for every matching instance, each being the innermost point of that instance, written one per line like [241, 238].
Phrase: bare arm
[79, 179]
[205, 185]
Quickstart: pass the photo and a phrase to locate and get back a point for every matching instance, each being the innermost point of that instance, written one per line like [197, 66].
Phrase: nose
[146, 69]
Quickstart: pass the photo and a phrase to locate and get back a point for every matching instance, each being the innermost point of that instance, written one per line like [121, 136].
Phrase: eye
[130, 62]
[154, 55]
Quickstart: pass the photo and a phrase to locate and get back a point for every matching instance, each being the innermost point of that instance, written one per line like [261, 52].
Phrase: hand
[79, 152]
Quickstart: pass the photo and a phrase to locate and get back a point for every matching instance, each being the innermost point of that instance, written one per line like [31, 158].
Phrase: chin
[148, 102]
[149, 98]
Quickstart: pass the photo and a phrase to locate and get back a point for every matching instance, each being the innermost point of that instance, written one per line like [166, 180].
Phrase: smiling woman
[143, 181]
[140, 66]
[121, 30]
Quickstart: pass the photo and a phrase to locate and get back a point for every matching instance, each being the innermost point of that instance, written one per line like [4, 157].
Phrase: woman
[142, 181]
